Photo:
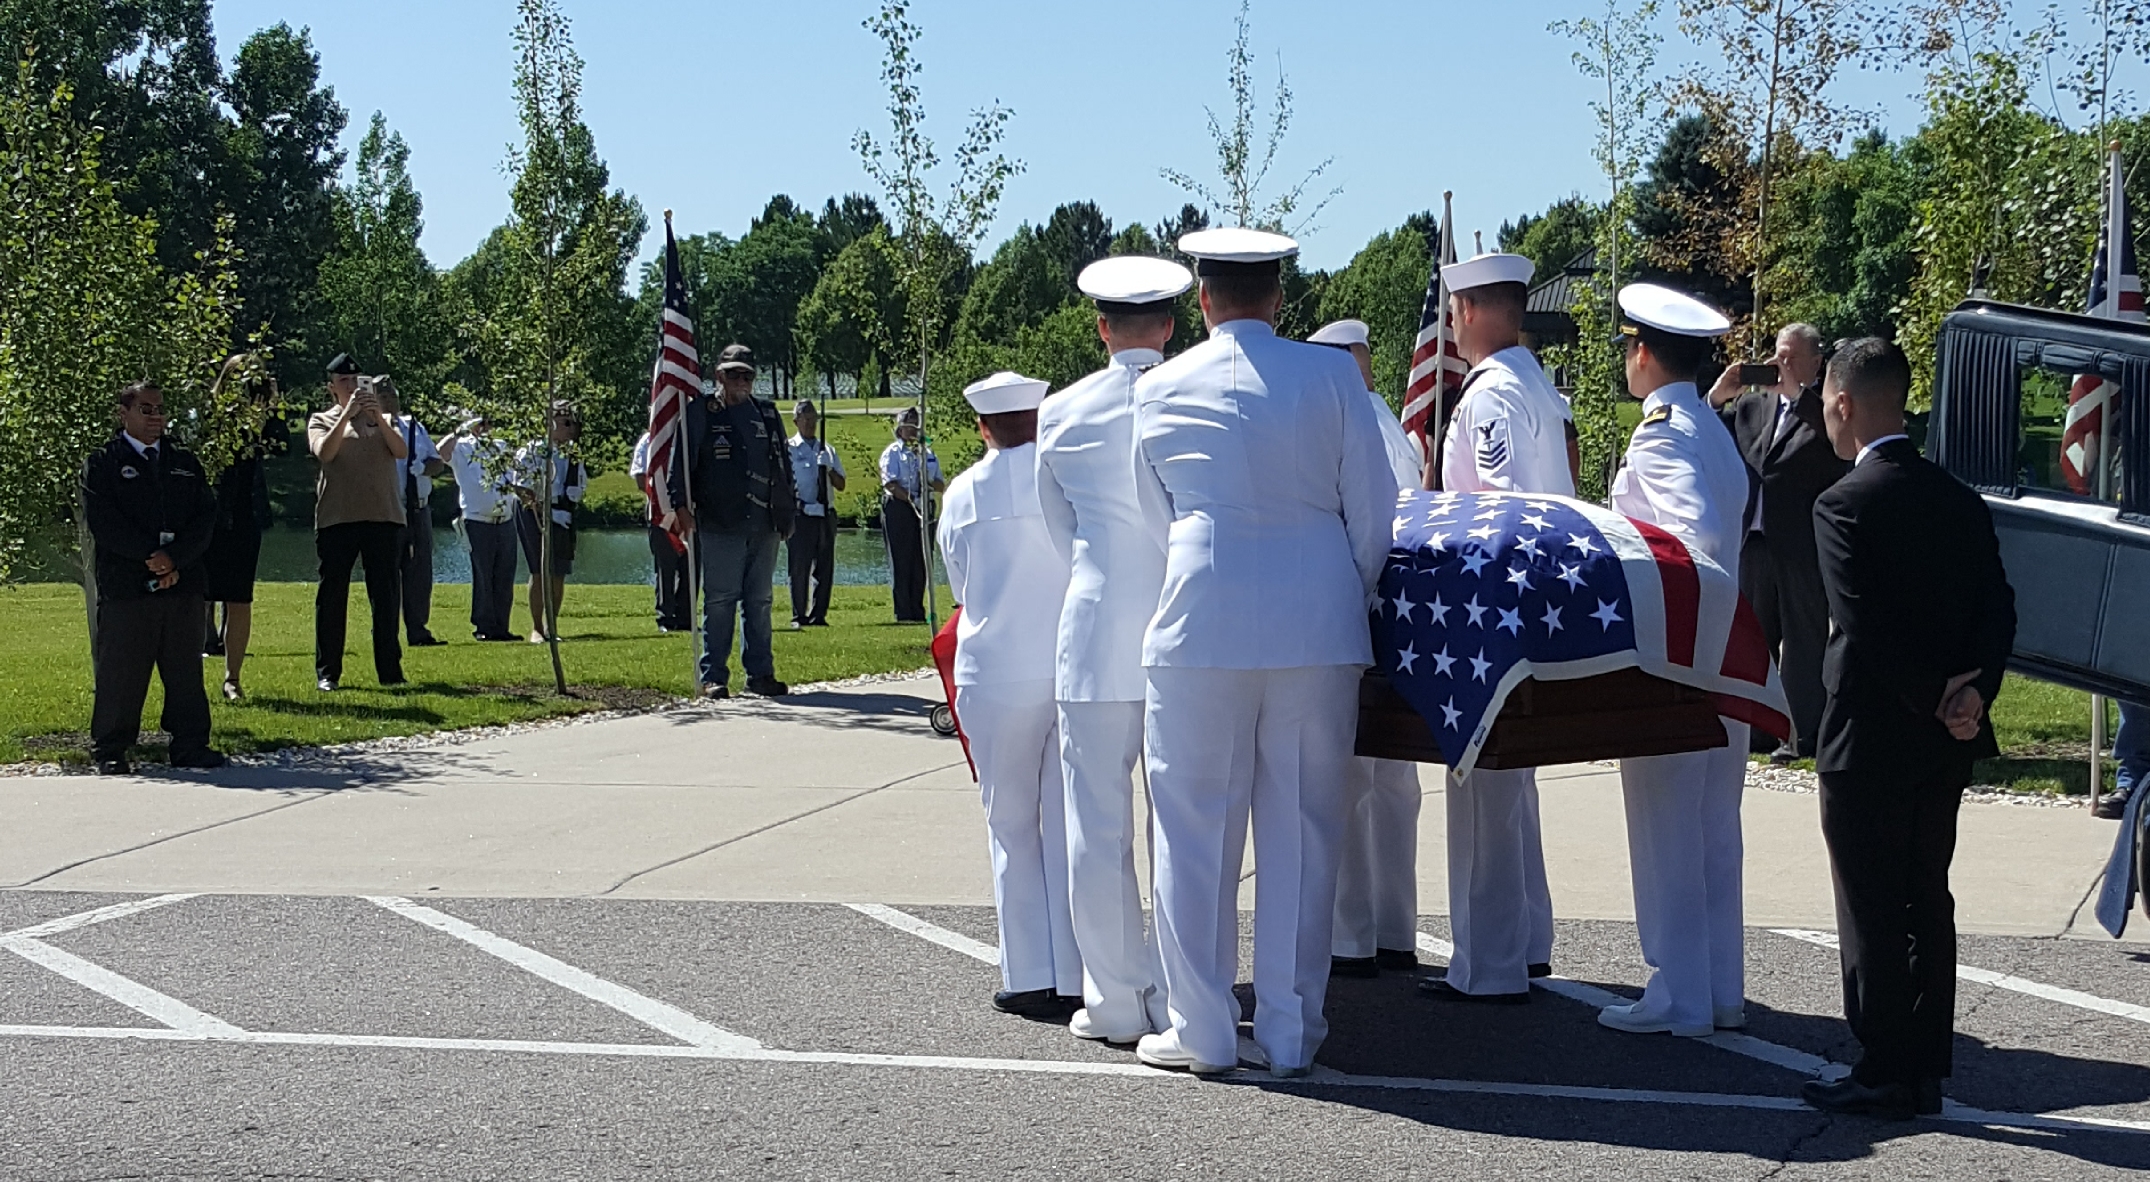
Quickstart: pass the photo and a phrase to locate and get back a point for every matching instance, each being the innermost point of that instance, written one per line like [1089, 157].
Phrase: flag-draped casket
[1517, 631]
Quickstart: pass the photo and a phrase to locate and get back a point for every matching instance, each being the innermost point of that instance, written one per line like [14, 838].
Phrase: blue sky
[710, 106]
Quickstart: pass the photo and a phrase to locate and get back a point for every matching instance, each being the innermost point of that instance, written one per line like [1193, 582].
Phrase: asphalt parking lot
[263, 1036]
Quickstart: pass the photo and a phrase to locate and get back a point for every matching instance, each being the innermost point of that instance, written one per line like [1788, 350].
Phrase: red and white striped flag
[1437, 368]
[2116, 293]
[677, 378]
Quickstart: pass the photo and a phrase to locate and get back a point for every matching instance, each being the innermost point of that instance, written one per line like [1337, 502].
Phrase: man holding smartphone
[1774, 412]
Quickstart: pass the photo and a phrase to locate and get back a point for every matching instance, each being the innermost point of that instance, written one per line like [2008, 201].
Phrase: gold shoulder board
[1661, 414]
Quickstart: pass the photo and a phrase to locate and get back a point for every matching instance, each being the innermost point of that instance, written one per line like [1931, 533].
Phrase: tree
[1190, 218]
[845, 222]
[1385, 285]
[1687, 215]
[148, 69]
[86, 308]
[1772, 94]
[1241, 166]
[1619, 50]
[937, 231]
[761, 281]
[381, 298]
[563, 258]
[1553, 239]
[854, 316]
[281, 162]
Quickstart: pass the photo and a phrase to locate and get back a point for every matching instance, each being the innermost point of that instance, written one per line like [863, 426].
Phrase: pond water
[601, 556]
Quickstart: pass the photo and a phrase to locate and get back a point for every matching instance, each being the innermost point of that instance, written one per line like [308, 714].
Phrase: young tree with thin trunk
[937, 230]
[1242, 167]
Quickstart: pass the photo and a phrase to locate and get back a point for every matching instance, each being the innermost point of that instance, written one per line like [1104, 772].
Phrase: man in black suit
[151, 513]
[1925, 621]
[1779, 432]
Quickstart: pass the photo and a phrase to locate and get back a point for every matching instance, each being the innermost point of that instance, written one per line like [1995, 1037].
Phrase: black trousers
[813, 567]
[161, 632]
[673, 610]
[379, 544]
[416, 549]
[906, 559]
[1786, 591]
[1891, 840]
[492, 577]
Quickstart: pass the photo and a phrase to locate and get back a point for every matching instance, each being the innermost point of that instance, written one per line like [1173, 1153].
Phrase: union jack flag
[2092, 399]
[1485, 589]
[676, 379]
[1437, 367]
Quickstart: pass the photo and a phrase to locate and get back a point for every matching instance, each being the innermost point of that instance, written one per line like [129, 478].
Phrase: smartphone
[1758, 374]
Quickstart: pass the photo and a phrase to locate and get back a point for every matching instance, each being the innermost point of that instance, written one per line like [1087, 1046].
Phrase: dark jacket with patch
[741, 477]
[130, 504]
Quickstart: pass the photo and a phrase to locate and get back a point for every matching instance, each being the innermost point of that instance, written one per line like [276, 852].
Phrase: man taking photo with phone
[1776, 419]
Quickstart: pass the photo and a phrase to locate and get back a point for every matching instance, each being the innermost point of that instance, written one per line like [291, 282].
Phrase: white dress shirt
[1263, 472]
[1509, 434]
[1684, 474]
[483, 494]
[808, 457]
[1086, 488]
[1003, 569]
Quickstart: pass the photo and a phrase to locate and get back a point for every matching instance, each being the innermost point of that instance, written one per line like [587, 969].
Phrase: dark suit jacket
[1917, 596]
[1794, 469]
[129, 504]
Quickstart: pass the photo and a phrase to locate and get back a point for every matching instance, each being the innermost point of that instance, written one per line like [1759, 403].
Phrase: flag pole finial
[668, 217]
[2113, 146]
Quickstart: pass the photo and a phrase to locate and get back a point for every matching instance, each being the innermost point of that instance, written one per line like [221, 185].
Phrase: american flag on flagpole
[1483, 590]
[676, 379]
[2116, 293]
[1437, 368]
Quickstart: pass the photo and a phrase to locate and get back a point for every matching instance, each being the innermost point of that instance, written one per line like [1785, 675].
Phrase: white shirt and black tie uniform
[813, 535]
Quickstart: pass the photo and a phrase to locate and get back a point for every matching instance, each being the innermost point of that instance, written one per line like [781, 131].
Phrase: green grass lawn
[611, 649]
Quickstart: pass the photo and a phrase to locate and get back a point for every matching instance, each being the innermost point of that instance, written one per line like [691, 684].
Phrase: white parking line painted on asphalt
[134, 995]
[1322, 1077]
[658, 1015]
[68, 923]
[904, 921]
[1776, 1054]
[2008, 981]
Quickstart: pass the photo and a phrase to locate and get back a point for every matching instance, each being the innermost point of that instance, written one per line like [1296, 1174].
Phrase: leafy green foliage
[86, 308]
[1385, 285]
[1243, 166]
[381, 298]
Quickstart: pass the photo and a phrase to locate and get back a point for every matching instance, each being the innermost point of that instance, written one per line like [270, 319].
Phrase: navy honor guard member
[1685, 475]
[1261, 468]
[1086, 487]
[1004, 571]
[1509, 434]
[1377, 867]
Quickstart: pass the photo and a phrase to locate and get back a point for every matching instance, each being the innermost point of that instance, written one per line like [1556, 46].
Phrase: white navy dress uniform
[1684, 474]
[1086, 488]
[1377, 865]
[1508, 434]
[1261, 468]
[1004, 571]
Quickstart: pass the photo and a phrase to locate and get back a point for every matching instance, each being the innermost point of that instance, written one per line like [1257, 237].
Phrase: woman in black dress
[242, 513]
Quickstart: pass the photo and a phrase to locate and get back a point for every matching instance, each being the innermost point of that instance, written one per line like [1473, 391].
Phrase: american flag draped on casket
[1484, 590]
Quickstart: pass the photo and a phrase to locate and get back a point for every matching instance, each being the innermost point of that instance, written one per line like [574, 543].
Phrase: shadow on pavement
[1382, 1027]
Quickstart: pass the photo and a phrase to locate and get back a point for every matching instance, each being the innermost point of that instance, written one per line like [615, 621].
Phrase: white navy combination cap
[1005, 393]
[1341, 333]
[1236, 248]
[1651, 306]
[1487, 269]
[1133, 283]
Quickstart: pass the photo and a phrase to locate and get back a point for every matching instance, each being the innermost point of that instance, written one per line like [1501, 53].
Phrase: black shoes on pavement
[1889, 1101]
[767, 687]
[1384, 960]
[201, 760]
[1439, 989]
[1042, 1004]
[114, 767]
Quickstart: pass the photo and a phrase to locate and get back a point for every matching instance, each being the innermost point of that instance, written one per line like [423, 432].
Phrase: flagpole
[2115, 225]
[1443, 248]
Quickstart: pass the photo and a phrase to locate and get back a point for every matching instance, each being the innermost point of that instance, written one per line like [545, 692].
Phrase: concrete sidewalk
[842, 795]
